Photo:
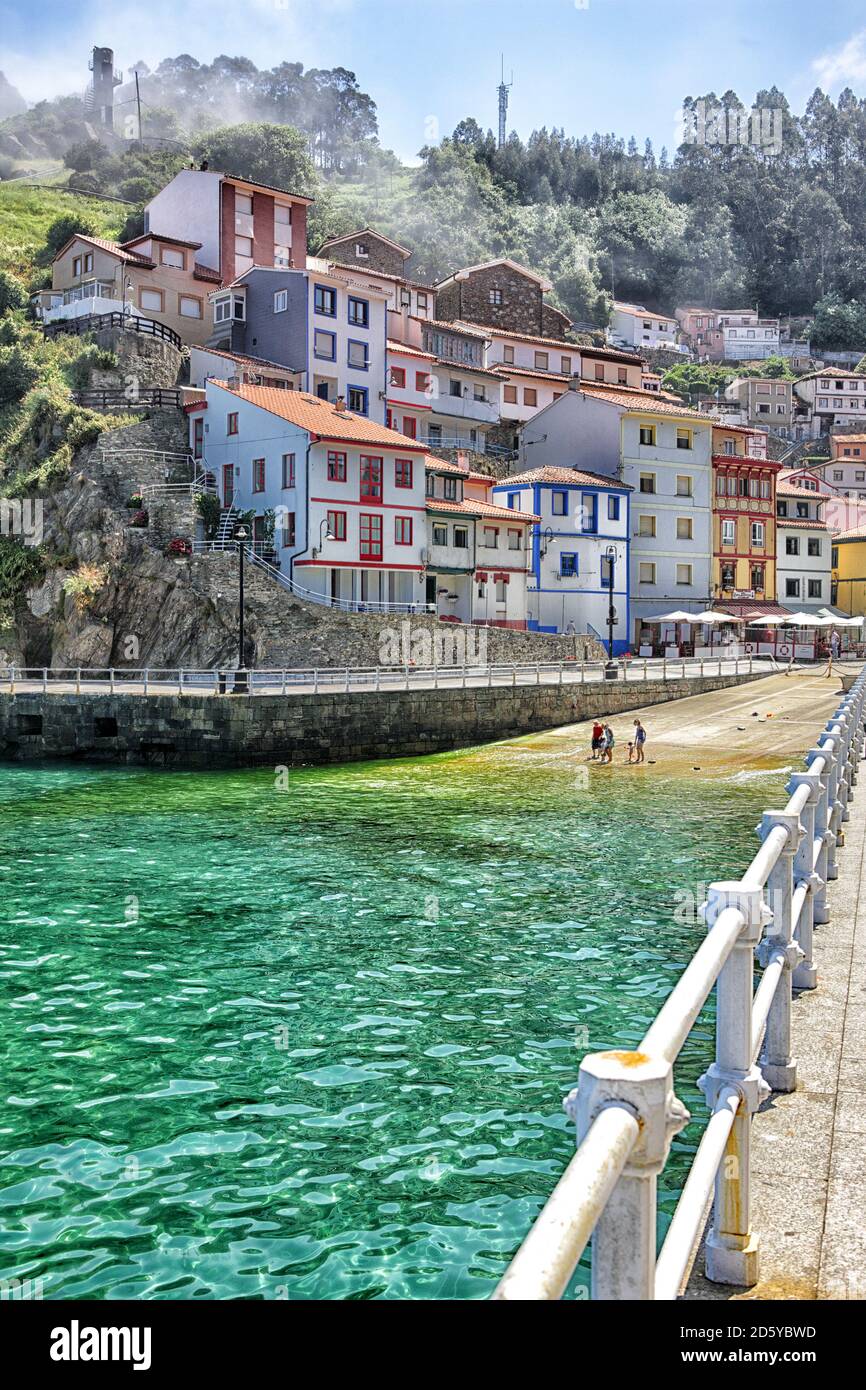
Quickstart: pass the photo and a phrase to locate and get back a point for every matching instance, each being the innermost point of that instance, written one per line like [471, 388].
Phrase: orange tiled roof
[575, 476]
[434, 465]
[856, 533]
[507, 369]
[319, 417]
[641, 402]
[245, 357]
[471, 507]
[113, 247]
[397, 347]
[206, 272]
[803, 522]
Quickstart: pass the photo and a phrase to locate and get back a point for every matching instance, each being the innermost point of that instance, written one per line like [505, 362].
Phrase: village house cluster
[453, 448]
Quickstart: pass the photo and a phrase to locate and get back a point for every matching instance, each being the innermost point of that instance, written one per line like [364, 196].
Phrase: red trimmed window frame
[402, 530]
[402, 472]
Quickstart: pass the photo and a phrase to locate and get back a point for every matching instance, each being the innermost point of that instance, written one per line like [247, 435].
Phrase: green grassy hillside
[26, 213]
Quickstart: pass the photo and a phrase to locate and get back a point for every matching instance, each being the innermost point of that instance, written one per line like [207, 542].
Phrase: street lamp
[610, 671]
[241, 685]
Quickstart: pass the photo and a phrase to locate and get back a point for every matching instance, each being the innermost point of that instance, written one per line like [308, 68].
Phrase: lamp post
[610, 671]
[241, 685]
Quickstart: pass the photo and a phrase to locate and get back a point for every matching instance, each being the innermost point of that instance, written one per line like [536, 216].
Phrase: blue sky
[609, 65]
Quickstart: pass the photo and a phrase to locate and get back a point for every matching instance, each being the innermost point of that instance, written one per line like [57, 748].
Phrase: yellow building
[744, 516]
[848, 573]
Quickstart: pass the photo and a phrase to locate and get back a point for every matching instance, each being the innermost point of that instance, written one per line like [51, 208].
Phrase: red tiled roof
[434, 465]
[641, 402]
[114, 248]
[518, 337]
[506, 369]
[803, 522]
[856, 533]
[319, 417]
[158, 236]
[397, 347]
[577, 477]
[365, 231]
[206, 272]
[245, 357]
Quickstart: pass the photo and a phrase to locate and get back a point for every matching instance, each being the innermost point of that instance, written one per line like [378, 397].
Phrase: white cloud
[843, 65]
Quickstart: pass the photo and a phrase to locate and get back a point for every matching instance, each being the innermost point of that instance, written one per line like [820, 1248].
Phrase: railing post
[111, 679]
[624, 1241]
[560, 673]
[664, 666]
[778, 1066]
[805, 975]
[78, 681]
[146, 674]
[732, 1246]
[820, 914]
[44, 680]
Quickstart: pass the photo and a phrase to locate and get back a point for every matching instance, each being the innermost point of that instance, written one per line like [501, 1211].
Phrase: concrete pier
[809, 1147]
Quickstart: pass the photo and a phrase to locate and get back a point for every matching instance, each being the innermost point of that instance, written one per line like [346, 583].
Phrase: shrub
[61, 229]
[18, 373]
[207, 505]
[91, 358]
[12, 293]
[83, 586]
[135, 501]
[140, 518]
[178, 546]
[21, 566]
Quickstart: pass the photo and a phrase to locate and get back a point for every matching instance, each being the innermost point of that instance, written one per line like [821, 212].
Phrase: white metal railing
[406, 676]
[624, 1106]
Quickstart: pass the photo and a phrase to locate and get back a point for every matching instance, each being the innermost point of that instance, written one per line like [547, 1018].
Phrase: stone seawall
[268, 730]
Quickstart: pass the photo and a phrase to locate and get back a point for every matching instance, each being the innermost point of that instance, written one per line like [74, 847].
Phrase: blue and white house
[580, 549]
[321, 323]
[663, 452]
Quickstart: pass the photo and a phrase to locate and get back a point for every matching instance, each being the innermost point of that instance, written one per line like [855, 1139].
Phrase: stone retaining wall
[272, 730]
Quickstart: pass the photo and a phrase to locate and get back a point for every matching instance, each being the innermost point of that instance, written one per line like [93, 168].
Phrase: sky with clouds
[585, 65]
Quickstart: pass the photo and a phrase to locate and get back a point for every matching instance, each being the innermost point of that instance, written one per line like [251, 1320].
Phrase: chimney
[462, 460]
[574, 382]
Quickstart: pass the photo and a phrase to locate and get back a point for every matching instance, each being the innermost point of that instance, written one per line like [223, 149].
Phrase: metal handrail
[783, 889]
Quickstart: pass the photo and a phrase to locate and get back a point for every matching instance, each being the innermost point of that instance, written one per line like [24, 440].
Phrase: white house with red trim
[347, 494]
[409, 390]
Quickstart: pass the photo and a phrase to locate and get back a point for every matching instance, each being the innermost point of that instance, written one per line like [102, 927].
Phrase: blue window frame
[568, 565]
[559, 504]
[324, 345]
[514, 501]
[358, 355]
[359, 312]
[613, 508]
[589, 512]
[325, 301]
[357, 399]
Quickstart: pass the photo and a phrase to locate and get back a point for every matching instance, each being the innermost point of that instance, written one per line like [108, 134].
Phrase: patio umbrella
[710, 617]
[775, 620]
[678, 616]
[810, 620]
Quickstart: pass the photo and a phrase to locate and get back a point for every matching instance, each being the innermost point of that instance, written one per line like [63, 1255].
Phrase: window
[402, 530]
[422, 382]
[325, 301]
[150, 299]
[403, 473]
[814, 588]
[541, 361]
[792, 588]
[514, 501]
[530, 395]
[405, 299]
[232, 422]
[613, 508]
[189, 306]
[371, 536]
[288, 470]
[231, 307]
[358, 356]
[647, 482]
[646, 573]
[455, 388]
[325, 345]
[684, 574]
[757, 533]
[684, 485]
[513, 539]
[461, 538]
[729, 446]
[837, 475]
[568, 565]
[500, 591]
[494, 296]
[792, 545]
[258, 475]
[281, 301]
[359, 312]
[647, 434]
[440, 535]
[243, 205]
[565, 366]
[559, 503]
[599, 371]
[358, 399]
[449, 489]
[371, 478]
[491, 537]
[803, 509]
[813, 547]
[169, 256]
[336, 467]
[398, 377]
[478, 392]
[622, 376]
[410, 426]
[289, 528]
[76, 265]
[684, 528]
[728, 578]
[509, 395]
[508, 354]
[781, 508]
[646, 525]
[757, 576]
[337, 525]
[684, 439]
[729, 531]
[282, 215]
[362, 250]
[244, 248]
[422, 302]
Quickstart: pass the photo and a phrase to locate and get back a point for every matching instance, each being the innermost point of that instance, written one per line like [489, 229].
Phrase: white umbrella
[809, 620]
[678, 616]
[710, 617]
[775, 620]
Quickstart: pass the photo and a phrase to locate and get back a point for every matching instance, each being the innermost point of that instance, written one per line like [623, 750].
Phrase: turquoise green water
[312, 1042]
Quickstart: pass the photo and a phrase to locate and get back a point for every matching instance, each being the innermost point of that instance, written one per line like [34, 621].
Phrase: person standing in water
[597, 735]
[639, 740]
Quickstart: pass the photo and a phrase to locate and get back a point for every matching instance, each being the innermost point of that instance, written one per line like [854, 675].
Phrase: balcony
[94, 297]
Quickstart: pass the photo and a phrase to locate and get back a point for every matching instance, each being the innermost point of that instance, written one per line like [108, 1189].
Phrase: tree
[272, 154]
[60, 231]
[12, 293]
[838, 326]
[17, 374]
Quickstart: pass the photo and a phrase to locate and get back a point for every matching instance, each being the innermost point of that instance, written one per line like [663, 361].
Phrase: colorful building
[744, 516]
[848, 571]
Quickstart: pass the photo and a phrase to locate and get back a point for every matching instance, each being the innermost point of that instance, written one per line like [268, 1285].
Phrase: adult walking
[639, 740]
[607, 747]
